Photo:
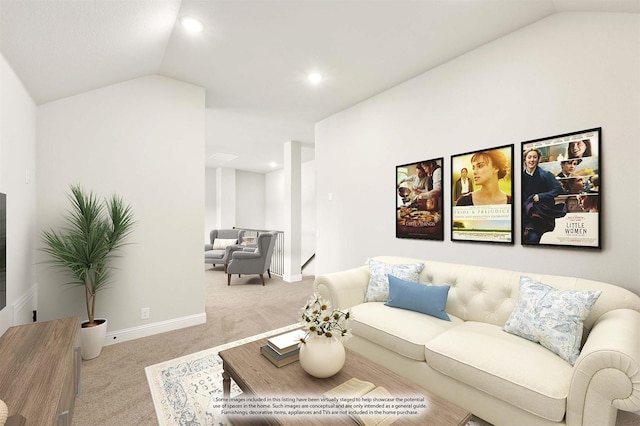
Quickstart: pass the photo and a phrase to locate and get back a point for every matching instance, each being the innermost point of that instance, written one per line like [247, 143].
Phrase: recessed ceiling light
[314, 78]
[192, 25]
[273, 164]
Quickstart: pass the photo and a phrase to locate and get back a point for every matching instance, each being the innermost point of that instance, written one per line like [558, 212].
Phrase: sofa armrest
[208, 247]
[343, 289]
[230, 249]
[606, 376]
[245, 255]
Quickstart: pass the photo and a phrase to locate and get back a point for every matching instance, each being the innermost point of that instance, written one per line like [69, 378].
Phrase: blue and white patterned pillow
[554, 318]
[378, 290]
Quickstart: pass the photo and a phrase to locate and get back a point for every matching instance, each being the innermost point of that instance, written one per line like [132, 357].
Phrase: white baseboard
[22, 309]
[154, 328]
[292, 278]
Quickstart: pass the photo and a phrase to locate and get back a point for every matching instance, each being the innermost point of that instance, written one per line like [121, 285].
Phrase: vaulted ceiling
[253, 57]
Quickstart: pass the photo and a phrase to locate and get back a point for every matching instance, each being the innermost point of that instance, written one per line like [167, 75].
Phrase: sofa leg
[228, 279]
[225, 268]
[262, 278]
[269, 272]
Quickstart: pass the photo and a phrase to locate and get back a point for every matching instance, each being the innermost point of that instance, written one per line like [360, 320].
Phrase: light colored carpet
[114, 385]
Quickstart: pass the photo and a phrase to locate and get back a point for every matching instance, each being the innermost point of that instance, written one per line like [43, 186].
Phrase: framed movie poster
[561, 190]
[482, 195]
[419, 200]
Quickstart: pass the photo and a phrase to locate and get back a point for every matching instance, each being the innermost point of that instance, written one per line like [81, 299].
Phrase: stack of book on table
[283, 349]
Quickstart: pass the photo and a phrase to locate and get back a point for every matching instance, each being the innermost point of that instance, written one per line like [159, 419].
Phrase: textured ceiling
[253, 56]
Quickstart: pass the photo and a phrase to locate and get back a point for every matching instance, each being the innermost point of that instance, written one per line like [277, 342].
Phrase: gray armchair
[256, 260]
[219, 253]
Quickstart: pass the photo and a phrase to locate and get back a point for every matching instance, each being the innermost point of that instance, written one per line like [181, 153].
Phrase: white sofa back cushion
[489, 294]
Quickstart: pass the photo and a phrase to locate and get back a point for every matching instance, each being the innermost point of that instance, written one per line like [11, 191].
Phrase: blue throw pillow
[428, 299]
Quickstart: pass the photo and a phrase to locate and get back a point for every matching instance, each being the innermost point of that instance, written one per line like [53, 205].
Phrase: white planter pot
[322, 357]
[92, 339]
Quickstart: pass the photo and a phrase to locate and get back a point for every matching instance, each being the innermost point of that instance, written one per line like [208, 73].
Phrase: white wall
[248, 210]
[309, 216]
[210, 214]
[274, 202]
[144, 140]
[250, 200]
[225, 198]
[274, 208]
[18, 181]
[568, 72]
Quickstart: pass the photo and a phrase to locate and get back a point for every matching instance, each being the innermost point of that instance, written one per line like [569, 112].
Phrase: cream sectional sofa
[500, 377]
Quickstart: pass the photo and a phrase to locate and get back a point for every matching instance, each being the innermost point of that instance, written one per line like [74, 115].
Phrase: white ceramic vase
[322, 357]
[4, 412]
[92, 339]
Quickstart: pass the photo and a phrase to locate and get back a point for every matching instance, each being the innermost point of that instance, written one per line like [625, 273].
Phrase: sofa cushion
[551, 317]
[378, 289]
[427, 299]
[402, 331]
[214, 254]
[222, 243]
[515, 370]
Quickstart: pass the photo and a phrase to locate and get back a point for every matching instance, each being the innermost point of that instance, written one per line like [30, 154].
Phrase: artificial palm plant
[95, 230]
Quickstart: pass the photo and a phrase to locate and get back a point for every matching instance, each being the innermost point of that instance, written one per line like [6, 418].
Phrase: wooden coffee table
[258, 377]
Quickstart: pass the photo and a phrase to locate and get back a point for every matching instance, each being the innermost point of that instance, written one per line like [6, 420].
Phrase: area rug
[184, 389]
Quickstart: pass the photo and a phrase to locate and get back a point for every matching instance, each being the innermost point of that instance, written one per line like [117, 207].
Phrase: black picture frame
[570, 215]
[485, 213]
[419, 205]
